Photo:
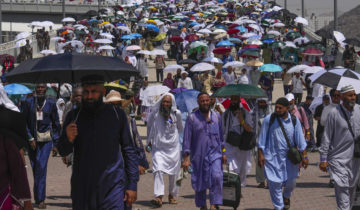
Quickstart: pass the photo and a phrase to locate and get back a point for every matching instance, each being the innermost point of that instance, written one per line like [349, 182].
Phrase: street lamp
[335, 15]
[285, 4]
[0, 22]
[63, 8]
[302, 8]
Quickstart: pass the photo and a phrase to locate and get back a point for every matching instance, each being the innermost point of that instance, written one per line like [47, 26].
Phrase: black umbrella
[91, 13]
[70, 67]
[324, 33]
[174, 32]
[353, 41]
[188, 61]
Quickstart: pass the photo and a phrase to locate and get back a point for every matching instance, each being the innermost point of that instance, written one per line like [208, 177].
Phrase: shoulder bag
[356, 140]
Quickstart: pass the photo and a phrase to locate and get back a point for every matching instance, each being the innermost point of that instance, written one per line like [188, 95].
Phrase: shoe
[42, 205]
[214, 207]
[157, 202]
[286, 203]
[172, 200]
[203, 208]
[261, 185]
[331, 183]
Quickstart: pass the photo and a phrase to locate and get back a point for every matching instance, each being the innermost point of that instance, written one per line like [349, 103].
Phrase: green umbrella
[277, 44]
[293, 35]
[242, 90]
[251, 53]
[268, 36]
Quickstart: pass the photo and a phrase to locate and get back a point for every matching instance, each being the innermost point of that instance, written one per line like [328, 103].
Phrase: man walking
[43, 127]
[277, 131]
[203, 149]
[297, 88]
[338, 152]
[105, 168]
[164, 126]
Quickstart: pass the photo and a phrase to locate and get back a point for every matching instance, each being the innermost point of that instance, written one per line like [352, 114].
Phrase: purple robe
[204, 141]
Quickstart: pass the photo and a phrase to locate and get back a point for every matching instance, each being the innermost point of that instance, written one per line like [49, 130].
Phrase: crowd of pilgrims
[254, 33]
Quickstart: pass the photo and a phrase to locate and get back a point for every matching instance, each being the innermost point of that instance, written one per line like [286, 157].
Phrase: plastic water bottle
[190, 169]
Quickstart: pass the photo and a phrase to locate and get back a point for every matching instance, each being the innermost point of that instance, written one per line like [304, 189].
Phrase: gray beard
[165, 112]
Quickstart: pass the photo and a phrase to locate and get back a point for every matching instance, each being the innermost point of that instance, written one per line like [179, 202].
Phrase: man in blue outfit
[273, 149]
[43, 127]
[105, 168]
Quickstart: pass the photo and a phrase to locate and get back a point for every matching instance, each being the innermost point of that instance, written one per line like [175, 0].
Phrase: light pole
[0, 22]
[99, 2]
[335, 15]
[63, 8]
[285, 4]
[302, 8]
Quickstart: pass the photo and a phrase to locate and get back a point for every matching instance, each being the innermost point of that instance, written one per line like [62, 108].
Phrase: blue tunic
[105, 158]
[203, 141]
[278, 167]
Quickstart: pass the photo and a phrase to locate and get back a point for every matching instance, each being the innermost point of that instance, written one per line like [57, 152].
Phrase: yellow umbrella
[254, 63]
[159, 37]
[104, 23]
[151, 22]
[200, 13]
[219, 36]
[115, 85]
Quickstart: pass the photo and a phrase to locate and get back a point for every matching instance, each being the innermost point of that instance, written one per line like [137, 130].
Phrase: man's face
[349, 98]
[281, 110]
[297, 75]
[262, 104]
[229, 69]
[234, 103]
[212, 101]
[77, 96]
[93, 93]
[204, 103]
[326, 102]
[166, 102]
[336, 97]
[40, 89]
[183, 76]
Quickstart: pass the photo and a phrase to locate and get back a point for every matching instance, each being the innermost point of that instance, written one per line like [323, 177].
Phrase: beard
[291, 107]
[165, 111]
[263, 107]
[234, 106]
[92, 106]
[349, 103]
[204, 109]
[281, 115]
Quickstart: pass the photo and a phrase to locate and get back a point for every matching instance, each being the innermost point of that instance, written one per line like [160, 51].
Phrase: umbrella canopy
[155, 90]
[152, 27]
[176, 39]
[312, 51]
[339, 36]
[173, 67]
[242, 90]
[276, 33]
[212, 60]
[68, 19]
[48, 52]
[3, 57]
[192, 37]
[297, 69]
[145, 52]
[233, 31]
[251, 53]
[187, 100]
[313, 69]
[133, 47]
[234, 64]
[188, 61]
[22, 35]
[128, 37]
[70, 68]
[103, 41]
[221, 50]
[234, 40]
[115, 86]
[301, 20]
[16, 89]
[159, 37]
[200, 67]
[256, 63]
[106, 47]
[225, 43]
[270, 68]
[158, 52]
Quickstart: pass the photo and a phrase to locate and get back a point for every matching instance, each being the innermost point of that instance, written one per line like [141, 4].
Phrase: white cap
[290, 97]
[184, 72]
[347, 88]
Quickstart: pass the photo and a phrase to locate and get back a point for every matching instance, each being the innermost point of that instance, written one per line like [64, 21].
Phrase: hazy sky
[320, 6]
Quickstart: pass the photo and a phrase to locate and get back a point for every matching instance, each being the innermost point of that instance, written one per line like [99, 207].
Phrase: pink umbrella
[312, 51]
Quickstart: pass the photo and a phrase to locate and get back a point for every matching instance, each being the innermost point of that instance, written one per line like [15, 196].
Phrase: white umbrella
[48, 52]
[75, 43]
[21, 43]
[256, 27]
[204, 31]
[155, 90]
[47, 23]
[124, 28]
[158, 52]
[145, 52]
[297, 68]
[276, 33]
[247, 35]
[301, 40]
[36, 24]
[219, 31]
[255, 42]
[234, 64]
[212, 60]
[107, 35]
[279, 25]
[106, 47]
[248, 21]
[277, 8]
[200, 67]
[68, 19]
[339, 36]
[289, 44]
[103, 41]
[22, 35]
[173, 67]
[301, 20]
[57, 38]
[313, 69]
[133, 48]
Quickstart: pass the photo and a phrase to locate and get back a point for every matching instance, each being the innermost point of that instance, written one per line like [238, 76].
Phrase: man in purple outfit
[203, 148]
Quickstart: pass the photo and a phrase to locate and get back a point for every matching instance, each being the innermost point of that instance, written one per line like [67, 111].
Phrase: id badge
[39, 116]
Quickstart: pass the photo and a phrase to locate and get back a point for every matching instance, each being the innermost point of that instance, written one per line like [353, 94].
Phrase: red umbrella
[312, 51]
[221, 50]
[192, 37]
[251, 46]
[3, 56]
[176, 39]
[226, 104]
[69, 27]
[83, 22]
[231, 15]
[358, 53]
[233, 25]
[233, 31]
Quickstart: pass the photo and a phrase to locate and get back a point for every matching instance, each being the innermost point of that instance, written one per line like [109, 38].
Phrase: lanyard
[40, 109]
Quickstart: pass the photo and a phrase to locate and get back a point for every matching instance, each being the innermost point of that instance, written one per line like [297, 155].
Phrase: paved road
[311, 193]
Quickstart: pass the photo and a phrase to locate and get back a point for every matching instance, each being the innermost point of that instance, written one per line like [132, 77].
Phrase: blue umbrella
[268, 41]
[194, 24]
[242, 29]
[270, 68]
[225, 43]
[220, 26]
[136, 35]
[128, 37]
[187, 100]
[152, 27]
[235, 40]
[120, 24]
[16, 89]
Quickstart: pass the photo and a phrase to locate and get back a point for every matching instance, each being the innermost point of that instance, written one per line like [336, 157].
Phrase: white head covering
[347, 88]
[289, 97]
[157, 105]
[5, 101]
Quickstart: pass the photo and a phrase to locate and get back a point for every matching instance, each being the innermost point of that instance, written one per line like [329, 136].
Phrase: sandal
[156, 202]
[172, 200]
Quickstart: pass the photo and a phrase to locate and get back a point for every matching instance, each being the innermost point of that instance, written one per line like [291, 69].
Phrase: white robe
[185, 83]
[164, 136]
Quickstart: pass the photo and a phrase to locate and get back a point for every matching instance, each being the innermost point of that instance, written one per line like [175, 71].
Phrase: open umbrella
[225, 43]
[176, 39]
[115, 86]
[256, 63]
[204, 31]
[145, 52]
[242, 90]
[151, 27]
[312, 51]
[234, 64]
[48, 52]
[339, 36]
[192, 37]
[68, 19]
[200, 67]
[313, 69]
[173, 67]
[270, 68]
[301, 20]
[22, 35]
[251, 53]
[188, 61]
[187, 100]
[221, 50]
[233, 31]
[297, 69]
[155, 90]
[70, 68]
[276, 33]
[16, 89]
[133, 47]
[106, 47]
[158, 52]
[128, 37]
[103, 41]
[159, 37]
[212, 60]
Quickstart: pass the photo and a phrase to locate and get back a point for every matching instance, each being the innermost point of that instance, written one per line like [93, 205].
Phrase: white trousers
[239, 162]
[159, 187]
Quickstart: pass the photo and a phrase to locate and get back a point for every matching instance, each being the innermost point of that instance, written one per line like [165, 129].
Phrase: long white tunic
[185, 83]
[164, 136]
